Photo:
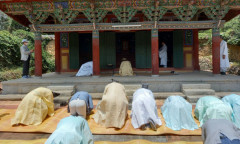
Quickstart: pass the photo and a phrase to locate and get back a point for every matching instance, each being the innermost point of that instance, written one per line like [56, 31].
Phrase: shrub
[8, 74]
[9, 50]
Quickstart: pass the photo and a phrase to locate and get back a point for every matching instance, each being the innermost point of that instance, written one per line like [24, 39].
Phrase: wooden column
[155, 57]
[216, 40]
[57, 52]
[196, 50]
[95, 51]
[38, 54]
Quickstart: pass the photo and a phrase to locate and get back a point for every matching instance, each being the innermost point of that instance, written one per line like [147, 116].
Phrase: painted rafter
[65, 15]
[125, 14]
[155, 13]
[185, 13]
[95, 15]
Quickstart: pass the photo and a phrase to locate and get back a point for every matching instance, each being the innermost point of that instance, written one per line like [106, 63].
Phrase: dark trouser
[26, 67]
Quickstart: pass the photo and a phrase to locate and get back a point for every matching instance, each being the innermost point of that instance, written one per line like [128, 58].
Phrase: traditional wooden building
[105, 31]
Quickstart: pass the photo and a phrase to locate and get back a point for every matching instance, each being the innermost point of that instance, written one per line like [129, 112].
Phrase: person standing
[163, 55]
[224, 61]
[25, 57]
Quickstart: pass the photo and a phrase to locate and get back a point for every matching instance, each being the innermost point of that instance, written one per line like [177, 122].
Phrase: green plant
[12, 73]
[9, 50]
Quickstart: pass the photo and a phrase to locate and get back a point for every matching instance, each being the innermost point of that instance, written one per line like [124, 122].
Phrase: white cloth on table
[144, 108]
[163, 55]
[224, 63]
[78, 107]
[86, 69]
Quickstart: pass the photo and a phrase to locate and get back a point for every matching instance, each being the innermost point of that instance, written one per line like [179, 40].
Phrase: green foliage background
[11, 35]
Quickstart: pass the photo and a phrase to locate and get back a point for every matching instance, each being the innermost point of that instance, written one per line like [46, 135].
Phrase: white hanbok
[86, 69]
[224, 63]
[144, 108]
[163, 55]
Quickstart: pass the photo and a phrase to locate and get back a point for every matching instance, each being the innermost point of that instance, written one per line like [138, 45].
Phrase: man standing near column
[163, 55]
[25, 57]
[224, 61]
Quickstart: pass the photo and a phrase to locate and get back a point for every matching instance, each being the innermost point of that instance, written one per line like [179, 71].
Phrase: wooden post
[155, 57]
[38, 54]
[196, 50]
[95, 51]
[57, 53]
[216, 40]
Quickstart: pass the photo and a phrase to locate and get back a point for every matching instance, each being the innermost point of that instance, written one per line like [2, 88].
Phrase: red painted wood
[155, 57]
[216, 40]
[196, 50]
[57, 53]
[96, 56]
[38, 58]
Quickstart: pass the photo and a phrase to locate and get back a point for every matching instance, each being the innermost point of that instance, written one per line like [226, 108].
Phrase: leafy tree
[231, 31]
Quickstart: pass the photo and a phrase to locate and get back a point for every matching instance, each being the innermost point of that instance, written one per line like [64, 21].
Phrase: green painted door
[178, 60]
[107, 43]
[143, 49]
[74, 50]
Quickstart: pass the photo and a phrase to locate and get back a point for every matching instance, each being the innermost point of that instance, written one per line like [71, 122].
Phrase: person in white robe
[86, 69]
[144, 110]
[163, 55]
[224, 61]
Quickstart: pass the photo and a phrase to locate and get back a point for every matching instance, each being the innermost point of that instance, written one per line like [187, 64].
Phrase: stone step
[204, 92]
[61, 100]
[65, 93]
[222, 94]
[195, 98]
[124, 138]
[196, 86]
[12, 97]
[157, 95]
[62, 87]
[132, 87]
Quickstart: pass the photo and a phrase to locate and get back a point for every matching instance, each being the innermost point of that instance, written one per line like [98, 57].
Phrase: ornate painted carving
[95, 34]
[38, 35]
[125, 14]
[95, 15]
[185, 13]
[154, 13]
[36, 17]
[64, 40]
[217, 12]
[65, 15]
[142, 26]
[154, 32]
[188, 37]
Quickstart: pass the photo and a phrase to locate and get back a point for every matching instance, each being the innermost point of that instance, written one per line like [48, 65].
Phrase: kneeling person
[112, 110]
[71, 130]
[144, 110]
[177, 113]
[81, 104]
[35, 107]
[220, 131]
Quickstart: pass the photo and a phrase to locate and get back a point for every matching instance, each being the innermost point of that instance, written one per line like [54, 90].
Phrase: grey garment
[212, 129]
[25, 52]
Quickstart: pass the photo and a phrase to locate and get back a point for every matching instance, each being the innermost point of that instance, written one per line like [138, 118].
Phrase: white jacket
[25, 52]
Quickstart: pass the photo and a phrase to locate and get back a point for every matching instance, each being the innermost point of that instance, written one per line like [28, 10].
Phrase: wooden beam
[128, 26]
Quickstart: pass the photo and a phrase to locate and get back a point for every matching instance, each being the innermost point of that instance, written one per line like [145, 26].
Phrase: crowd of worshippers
[219, 118]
